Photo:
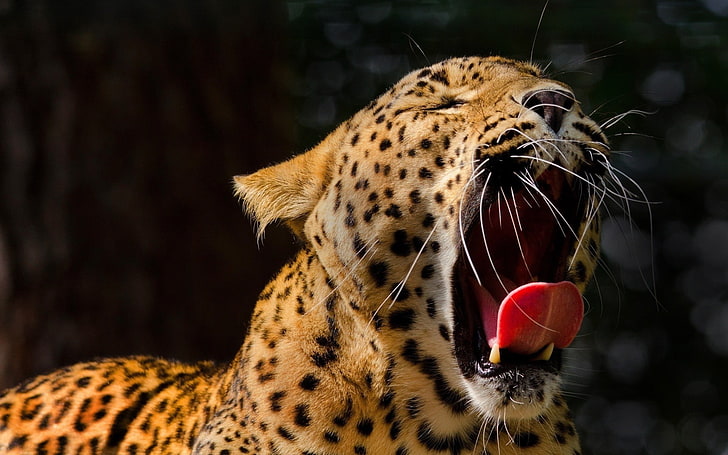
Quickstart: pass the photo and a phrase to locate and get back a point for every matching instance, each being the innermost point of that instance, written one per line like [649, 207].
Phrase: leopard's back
[129, 405]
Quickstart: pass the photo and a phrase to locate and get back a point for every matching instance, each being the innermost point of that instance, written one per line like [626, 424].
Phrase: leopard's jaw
[374, 339]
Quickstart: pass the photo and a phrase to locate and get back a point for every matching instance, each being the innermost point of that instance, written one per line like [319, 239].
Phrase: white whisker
[364, 251]
[476, 174]
[538, 27]
[560, 218]
[500, 211]
[622, 196]
[618, 118]
[485, 242]
[414, 262]
[516, 231]
[397, 290]
[591, 214]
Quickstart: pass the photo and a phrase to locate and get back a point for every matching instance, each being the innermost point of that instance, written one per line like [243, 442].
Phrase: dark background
[122, 122]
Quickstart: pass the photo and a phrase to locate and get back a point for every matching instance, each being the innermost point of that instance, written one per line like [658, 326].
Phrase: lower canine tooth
[495, 354]
[546, 353]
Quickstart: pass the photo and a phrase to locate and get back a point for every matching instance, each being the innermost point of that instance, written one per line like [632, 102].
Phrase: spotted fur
[361, 345]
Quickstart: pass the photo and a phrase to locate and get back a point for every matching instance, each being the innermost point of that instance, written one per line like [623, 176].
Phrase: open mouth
[513, 303]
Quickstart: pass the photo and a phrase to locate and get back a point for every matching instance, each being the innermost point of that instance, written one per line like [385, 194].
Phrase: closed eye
[446, 104]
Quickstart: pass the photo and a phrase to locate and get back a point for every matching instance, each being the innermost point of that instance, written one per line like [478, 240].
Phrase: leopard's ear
[288, 191]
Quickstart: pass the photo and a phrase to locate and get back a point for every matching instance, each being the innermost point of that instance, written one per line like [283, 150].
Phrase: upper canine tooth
[495, 354]
[546, 352]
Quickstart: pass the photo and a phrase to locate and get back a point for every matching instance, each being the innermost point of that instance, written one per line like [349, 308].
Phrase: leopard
[446, 235]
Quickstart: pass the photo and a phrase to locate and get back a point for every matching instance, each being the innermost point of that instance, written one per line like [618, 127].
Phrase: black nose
[549, 104]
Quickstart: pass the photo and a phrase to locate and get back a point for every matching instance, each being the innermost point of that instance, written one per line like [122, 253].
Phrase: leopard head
[458, 213]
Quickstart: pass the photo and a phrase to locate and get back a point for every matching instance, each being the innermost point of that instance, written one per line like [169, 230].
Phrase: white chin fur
[524, 403]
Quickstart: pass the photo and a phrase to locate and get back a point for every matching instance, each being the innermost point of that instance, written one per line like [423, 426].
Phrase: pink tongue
[534, 315]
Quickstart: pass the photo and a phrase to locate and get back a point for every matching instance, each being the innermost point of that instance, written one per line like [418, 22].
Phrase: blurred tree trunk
[121, 124]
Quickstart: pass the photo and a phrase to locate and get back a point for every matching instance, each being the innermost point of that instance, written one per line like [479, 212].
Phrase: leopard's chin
[517, 386]
[511, 369]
